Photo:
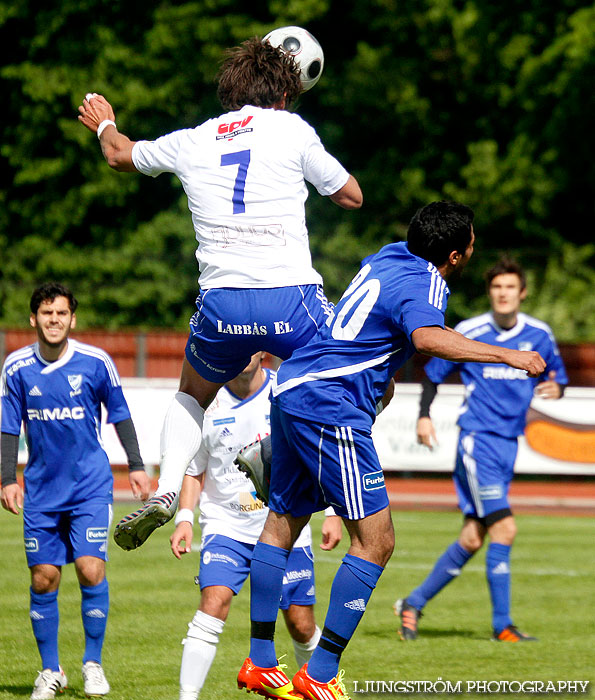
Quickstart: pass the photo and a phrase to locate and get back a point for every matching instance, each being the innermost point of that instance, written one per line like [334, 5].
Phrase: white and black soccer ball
[304, 48]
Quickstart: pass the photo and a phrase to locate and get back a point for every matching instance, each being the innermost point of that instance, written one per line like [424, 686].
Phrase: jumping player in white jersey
[492, 417]
[56, 387]
[231, 520]
[323, 407]
[244, 174]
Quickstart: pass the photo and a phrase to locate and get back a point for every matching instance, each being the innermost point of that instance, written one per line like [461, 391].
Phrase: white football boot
[96, 684]
[48, 683]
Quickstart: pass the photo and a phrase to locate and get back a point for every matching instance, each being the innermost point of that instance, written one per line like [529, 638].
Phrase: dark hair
[439, 228]
[48, 292]
[506, 266]
[257, 74]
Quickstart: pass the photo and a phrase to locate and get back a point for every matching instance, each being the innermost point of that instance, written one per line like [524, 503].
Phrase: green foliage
[487, 103]
[153, 598]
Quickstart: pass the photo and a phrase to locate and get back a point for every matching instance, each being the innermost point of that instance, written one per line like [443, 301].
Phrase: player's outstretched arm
[349, 196]
[450, 345]
[97, 115]
[12, 498]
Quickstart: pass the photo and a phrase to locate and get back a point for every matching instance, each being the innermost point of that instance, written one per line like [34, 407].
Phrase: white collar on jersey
[507, 333]
[52, 366]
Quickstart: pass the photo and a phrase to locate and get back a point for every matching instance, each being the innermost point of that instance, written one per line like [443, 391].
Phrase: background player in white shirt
[492, 417]
[244, 174]
[231, 520]
[56, 387]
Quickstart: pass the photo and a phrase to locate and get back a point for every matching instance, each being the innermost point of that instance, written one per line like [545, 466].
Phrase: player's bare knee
[215, 601]
[471, 541]
[300, 622]
[45, 579]
[503, 531]
[90, 571]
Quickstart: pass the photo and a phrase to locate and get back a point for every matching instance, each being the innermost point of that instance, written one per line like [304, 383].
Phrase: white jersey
[228, 502]
[244, 175]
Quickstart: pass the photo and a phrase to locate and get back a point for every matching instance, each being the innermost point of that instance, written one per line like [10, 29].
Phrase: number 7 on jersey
[242, 160]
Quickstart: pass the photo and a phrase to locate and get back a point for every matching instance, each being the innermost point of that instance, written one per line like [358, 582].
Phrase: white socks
[200, 647]
[303, 650]
[180, 439]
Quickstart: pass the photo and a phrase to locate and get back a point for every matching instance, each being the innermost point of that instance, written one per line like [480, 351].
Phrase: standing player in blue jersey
[231, 520]
[244, 174]
[56, 388]
[324, 404]
[492, 417]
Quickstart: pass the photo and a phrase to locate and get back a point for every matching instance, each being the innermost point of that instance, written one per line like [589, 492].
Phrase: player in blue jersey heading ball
[56, 387]
[324, 404]
[492, 417]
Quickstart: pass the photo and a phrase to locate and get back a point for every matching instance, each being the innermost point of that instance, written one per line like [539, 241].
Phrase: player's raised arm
[450, 345]
[349, 196]
[97, 115]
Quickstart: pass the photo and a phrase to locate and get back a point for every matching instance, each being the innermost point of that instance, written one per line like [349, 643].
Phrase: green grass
[153, 597]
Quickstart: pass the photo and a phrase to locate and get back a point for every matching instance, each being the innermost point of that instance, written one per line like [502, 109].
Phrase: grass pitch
[153, 597]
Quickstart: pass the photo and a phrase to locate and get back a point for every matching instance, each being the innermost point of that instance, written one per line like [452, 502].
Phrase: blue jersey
[498, 396]
[60, 406]
[341, 374]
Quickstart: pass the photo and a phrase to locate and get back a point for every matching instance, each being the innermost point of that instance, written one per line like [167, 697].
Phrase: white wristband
[185, 515]
[104, 123]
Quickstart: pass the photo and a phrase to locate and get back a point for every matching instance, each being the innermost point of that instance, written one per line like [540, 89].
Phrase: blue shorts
[230, 325]
[60, 537]
[483, 472]
[298, 580]
[226, 562]
[316, 465]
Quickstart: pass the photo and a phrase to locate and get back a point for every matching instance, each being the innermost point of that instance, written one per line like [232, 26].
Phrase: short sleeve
[199, 463]
[321, 169]
[437, 369]
[110, 391]
[11, 405]
[159, 156]
[421, 301]
[555, 362]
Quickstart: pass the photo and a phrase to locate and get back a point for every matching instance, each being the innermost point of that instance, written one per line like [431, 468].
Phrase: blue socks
[43, 611]
[266, 585]
[447, 567]
[352, 587]
[94, 611]
[498, 575]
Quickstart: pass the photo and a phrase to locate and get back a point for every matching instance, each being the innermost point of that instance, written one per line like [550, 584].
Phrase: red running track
[547, 497]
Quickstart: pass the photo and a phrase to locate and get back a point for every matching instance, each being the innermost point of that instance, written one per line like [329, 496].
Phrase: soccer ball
[304, 48]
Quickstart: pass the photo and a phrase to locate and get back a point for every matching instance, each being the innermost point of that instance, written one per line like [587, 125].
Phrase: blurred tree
[487, 103]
